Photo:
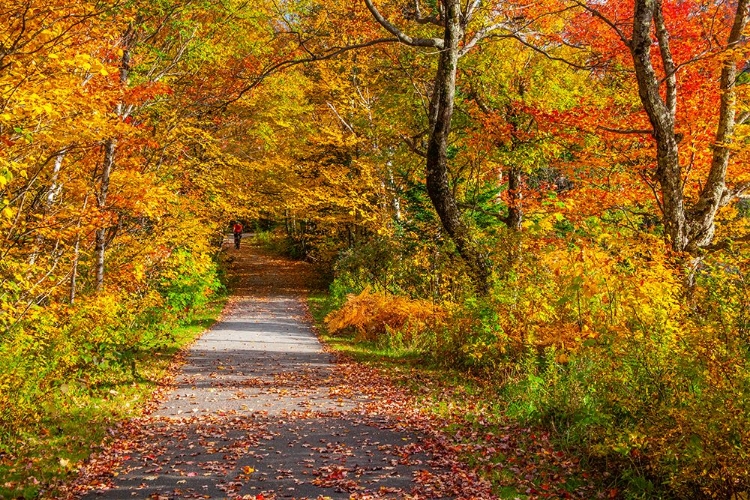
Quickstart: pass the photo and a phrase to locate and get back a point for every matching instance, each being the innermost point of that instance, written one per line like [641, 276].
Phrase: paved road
[259, 408]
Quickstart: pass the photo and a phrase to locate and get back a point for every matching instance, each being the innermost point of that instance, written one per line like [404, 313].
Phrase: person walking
[237, 230]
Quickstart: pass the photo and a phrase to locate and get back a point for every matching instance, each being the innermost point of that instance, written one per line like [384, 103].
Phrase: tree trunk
[101, 233]
[52, 192]
[128, 39]
[453, 21]
[395, 201]
[74, 269]
[692, 228]
[438, 186]
[715, 194]
[76, 254]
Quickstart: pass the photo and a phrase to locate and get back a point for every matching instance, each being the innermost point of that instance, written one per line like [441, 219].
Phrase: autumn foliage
[596, 175]
[374, 315]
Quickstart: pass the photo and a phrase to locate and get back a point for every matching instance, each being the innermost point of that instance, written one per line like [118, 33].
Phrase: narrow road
[260, 410]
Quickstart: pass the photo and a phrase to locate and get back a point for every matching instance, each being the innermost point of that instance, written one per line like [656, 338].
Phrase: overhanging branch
[282, 65]
[402, 37]
[627, 130]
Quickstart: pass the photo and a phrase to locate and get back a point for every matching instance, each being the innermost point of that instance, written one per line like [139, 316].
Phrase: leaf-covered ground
[258, 409]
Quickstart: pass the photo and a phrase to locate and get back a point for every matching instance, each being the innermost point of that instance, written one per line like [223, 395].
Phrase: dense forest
[551, 196]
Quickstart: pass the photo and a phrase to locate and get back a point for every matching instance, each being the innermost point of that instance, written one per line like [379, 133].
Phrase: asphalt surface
[259, 410]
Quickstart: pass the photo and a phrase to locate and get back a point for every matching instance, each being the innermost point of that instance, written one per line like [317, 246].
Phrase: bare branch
[402, 37]
[740, 191]
[343, 122]
[642, 131]
[471, 9]
[659, 202]
[417, 17]
[474, 94]
[549, 56]
[605, 20]
[282, 65]
[481, 35]
[411, 142]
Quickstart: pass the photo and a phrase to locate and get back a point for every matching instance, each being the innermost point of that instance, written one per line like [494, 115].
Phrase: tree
[685, 59]
[452, 45]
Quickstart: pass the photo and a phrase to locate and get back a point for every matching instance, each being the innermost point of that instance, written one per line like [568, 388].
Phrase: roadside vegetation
[598, 355]
[65, 392]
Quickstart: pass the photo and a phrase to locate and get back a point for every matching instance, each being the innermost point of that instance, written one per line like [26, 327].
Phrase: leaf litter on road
[343, 430]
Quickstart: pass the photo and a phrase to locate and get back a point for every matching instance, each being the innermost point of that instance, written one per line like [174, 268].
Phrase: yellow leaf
[103, 72]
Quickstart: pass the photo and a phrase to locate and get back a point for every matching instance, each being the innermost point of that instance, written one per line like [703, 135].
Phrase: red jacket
[237, 228]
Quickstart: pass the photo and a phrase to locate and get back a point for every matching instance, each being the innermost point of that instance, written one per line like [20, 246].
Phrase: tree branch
[627, 130]
[417, 17]
[480, 35]
[549, 56]
[715, 194]
[740, 191]
[605, 20]
[288, 63]
[411, 142]
[343, 122]
[400, 35]
[471, 9]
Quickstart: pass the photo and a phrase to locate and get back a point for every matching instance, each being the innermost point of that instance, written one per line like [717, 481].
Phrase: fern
[373, 314]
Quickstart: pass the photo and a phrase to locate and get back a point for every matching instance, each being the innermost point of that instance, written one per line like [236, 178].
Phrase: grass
[80, 413]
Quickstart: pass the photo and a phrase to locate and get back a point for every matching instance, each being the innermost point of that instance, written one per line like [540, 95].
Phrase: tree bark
[438, 186]
[715, 194]
[76, 255]
[101, 233]
[689, 228]
[52, 192]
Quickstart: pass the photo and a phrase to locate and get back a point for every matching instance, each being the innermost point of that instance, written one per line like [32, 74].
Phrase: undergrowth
[600, 346]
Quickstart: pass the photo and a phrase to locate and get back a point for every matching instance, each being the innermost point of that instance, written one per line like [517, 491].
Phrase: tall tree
[692, 227]
[685, 59]
[455, 41]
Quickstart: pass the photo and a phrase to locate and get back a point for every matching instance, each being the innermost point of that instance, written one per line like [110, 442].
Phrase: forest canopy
[567, 181]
